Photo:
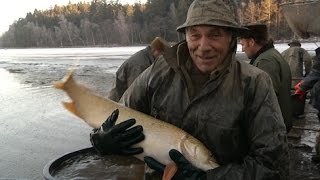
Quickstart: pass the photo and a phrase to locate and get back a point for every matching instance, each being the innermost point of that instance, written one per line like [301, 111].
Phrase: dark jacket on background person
[299, 61]
[312, 81]
[129, 71]
[235, 113]
[270, 60]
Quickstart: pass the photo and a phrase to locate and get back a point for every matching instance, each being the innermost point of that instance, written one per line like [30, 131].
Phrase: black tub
[87, 164]
[297, 104]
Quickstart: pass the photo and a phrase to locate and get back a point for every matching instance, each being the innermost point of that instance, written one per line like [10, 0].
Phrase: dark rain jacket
[299, 61]
[129, 71]
[270, 60]
[235, 114]
[312, 81]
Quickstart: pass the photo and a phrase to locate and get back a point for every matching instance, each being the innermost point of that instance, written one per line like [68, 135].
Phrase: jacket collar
[262, 50]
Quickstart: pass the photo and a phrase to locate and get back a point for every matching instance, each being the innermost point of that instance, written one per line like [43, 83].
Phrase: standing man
[311, 81]
[199, 86]
[260, 50]
[135, 65]
[299, 61]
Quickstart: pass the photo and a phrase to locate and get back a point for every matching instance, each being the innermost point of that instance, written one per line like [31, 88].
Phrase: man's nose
[204, 44]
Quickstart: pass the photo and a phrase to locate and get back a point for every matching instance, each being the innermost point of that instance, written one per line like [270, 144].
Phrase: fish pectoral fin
[70, 106]
[169, 171]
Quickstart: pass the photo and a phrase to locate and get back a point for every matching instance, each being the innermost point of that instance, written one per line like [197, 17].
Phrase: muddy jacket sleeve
[267, 156]
[136, 96]
[309, 81]
[119, 84]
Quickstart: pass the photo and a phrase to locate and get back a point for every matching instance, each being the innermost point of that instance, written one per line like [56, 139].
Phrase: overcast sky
[12, 10]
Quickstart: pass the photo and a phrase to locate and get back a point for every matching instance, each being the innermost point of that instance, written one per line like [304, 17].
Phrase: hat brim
[238, 29]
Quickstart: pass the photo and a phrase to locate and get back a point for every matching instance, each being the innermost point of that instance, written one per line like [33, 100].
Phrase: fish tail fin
[58, 85]
[61, 84]
[169, 171]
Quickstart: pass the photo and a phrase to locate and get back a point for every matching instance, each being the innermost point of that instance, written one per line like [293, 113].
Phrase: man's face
[208, 46]
[248, 47]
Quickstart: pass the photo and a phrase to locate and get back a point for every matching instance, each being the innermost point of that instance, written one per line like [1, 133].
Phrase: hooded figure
[135, 65]
[299, 61]
[199, 86]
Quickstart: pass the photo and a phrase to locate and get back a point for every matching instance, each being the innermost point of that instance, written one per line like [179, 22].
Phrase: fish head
[199, 156]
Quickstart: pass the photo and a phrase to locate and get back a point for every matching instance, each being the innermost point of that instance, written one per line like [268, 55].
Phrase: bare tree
[64, 25]
[252, 13]
[120, 24]
[269, 8]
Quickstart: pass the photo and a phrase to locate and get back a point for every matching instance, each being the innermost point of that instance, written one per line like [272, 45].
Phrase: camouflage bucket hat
[213, 12]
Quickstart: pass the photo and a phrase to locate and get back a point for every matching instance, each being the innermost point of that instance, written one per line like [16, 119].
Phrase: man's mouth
[206, 58]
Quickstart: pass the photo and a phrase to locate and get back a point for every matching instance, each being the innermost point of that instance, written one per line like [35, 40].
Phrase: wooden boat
[303, 17]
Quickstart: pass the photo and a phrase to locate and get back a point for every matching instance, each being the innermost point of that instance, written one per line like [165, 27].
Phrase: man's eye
[215, 35]
[195, 36]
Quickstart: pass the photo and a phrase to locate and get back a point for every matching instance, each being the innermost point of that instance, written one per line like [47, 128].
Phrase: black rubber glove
[186, 171]
[117, 139]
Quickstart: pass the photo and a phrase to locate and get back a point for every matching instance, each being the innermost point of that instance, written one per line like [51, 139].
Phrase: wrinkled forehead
[207, 28]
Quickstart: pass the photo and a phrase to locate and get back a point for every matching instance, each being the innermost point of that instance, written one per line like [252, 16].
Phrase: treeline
[109, 23]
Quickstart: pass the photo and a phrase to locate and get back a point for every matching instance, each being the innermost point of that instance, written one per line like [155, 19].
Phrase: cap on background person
[294, 43]
[217, 13]
[159, 43]
[259, 32]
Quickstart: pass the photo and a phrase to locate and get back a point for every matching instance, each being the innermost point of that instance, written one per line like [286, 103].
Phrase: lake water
[34, 127]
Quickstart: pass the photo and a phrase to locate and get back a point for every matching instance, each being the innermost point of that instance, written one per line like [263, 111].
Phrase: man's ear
[251, 42]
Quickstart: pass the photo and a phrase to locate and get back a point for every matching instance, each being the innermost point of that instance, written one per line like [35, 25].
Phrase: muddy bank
[302, 138]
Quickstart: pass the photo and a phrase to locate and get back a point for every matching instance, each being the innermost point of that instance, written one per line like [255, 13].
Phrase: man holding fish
[199, 86]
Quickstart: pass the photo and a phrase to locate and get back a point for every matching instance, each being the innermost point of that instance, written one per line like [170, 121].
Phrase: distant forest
[109, 23]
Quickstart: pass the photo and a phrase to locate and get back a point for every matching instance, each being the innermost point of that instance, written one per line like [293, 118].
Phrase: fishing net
[303, 18]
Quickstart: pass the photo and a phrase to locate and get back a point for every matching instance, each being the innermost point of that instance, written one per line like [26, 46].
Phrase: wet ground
[302, 140]
[35, 128]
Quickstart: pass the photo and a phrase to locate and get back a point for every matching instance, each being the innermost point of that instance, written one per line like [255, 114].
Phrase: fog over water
[34, 127]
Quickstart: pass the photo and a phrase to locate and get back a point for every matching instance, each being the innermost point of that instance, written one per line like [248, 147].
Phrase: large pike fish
[160, 137]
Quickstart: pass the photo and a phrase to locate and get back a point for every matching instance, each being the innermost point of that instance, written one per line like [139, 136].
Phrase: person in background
[199, 86]
[299, 61]
[312, 81]
[135, 65]
[259, 48]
